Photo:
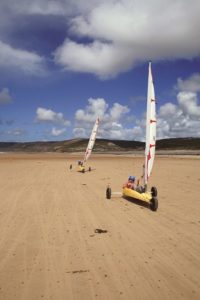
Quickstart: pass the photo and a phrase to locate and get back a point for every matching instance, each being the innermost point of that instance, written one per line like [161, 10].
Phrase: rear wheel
[108, 193]
[154, 204]
[90, 169]
[83, 171]
[154, 191]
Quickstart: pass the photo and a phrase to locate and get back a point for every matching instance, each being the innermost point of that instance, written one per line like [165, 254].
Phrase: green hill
[101, 145]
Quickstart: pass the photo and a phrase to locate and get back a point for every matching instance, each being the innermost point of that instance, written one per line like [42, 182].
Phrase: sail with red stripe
[91, 141]
[150, 128]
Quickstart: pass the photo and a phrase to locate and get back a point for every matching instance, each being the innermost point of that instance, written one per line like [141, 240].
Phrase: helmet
[132, 178]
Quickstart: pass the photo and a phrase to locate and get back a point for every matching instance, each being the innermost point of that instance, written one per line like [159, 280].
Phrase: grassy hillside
[101, 145]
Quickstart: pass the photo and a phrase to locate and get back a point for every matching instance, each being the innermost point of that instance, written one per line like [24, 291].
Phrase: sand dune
[48, 245]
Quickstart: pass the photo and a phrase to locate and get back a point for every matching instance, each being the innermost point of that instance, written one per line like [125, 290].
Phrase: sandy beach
[48, 245]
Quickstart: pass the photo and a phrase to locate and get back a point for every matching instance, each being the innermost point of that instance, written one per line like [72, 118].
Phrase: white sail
[150, 128]
[91, 141]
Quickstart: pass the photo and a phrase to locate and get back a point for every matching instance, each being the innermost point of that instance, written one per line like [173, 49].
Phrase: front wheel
[108, 193]
[154, 204]
[89, 169]
[154, 191]
[83, 171]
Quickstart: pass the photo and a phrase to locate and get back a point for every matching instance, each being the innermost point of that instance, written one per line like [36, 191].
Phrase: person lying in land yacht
[131, 184]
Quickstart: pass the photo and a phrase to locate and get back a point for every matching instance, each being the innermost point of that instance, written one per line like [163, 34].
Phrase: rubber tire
[83, 171]
[108, 193]
[154, 204]
[89, 169]
[154, 191]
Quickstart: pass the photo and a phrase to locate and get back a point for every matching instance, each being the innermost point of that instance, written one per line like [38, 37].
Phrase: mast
[150, 128]
[91, 140]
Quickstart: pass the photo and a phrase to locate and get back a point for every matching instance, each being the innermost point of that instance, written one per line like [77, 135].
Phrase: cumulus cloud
[192, 84]
[100, 58]
[27, 62]
[48, 115]
[125, 32]
[57, 132]
[5, 97]
[106, 37]
[95, 107]
[168, 109]
[188, 102]
[181, 119]
[112, 120]
[117, 111]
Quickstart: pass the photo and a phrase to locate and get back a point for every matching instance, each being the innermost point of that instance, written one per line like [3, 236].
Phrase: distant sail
[91, 141]
[150, 128]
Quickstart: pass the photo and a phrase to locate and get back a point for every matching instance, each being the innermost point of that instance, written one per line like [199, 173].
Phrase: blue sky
[64, 62]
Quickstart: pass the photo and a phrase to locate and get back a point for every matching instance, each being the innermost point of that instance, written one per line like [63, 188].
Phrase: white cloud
[57, 132]
[27, 62]
[121, 33]
[80, 132]
[48, 115]
[95, 108]
[118, 110]
[13, 135]
[100, 58]
[112, 120]
[16, 132]
[192, 84]
[5, 97]
[181, 119]
[188, 102]
[126, 32]
[168, 109]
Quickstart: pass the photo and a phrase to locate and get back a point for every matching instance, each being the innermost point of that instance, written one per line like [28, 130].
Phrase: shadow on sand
[137, 202]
